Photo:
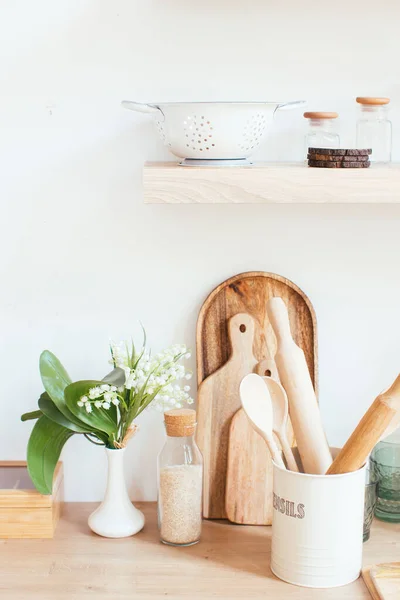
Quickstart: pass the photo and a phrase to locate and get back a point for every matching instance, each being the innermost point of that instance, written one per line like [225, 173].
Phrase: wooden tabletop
[231, 561]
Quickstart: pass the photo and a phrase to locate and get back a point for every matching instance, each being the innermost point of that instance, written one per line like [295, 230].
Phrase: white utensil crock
[317, 527]
[116, 516]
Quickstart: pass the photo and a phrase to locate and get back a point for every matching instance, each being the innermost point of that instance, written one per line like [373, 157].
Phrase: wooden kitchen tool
[257, 404]
[383, 581]
[217, 402]
[392, 427]
[280, 411]
[366, 575]
[248, 496]
[303, 408]
[368, 432]
[244, 293]
[386, 578]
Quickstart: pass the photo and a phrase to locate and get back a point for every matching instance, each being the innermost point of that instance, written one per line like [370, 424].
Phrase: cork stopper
[320, 115]
[180, 422]
[370, 101]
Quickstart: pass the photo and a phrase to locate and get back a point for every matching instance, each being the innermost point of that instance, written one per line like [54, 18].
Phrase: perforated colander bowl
[200, 132]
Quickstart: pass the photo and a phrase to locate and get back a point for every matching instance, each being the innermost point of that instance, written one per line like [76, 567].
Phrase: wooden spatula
[368, 432]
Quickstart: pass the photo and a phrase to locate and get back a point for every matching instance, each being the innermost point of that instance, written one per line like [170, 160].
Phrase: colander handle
[144, 108]
[289, 105]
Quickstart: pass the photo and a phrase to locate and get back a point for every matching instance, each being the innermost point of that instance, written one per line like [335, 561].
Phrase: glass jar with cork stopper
[374, 130]
[321, 130]
[180, 481]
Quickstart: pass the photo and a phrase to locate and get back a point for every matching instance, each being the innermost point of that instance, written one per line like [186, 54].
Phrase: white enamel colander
[216, 133]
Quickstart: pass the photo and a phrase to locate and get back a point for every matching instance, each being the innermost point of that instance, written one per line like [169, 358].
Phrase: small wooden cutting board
[248, 498]
[217, 401]
[366, 575]
[386, 578]
[249, 470]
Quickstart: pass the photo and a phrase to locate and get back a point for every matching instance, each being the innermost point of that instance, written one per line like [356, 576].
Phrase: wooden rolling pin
[368, 432]
[303, 406]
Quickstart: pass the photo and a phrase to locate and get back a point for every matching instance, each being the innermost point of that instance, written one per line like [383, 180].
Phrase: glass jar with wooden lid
[374, 130]
[322, 131]
[180, 481]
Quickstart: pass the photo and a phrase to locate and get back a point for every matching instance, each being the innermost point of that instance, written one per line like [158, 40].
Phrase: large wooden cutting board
[245, 293]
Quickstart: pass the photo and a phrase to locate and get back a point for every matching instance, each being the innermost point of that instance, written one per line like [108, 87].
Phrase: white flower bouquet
[103, 411]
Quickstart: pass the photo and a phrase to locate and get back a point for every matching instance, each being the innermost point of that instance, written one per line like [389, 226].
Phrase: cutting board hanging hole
[242, 328]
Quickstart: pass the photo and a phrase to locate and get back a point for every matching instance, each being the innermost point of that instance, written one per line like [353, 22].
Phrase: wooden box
[24, 512]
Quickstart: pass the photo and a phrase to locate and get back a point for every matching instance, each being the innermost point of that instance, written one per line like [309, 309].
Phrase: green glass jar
[370, 502]
[385, 460]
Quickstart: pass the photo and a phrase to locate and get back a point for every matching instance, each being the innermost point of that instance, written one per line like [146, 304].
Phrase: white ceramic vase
[116, 516]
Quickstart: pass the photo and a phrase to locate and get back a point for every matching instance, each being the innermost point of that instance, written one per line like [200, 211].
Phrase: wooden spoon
[280, 418]
[257, 404]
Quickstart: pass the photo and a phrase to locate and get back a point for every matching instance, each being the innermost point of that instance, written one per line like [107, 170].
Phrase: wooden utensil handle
[368, 432]
[279, 319]
[275, 453]
[288, 453]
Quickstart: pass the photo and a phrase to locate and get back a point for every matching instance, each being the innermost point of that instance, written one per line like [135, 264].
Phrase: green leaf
[48, 408]
[44, 448]
[55, 379]
[136, 407]
[135, 365]
[115, 377]
[148, 401]
[51, 411]
[133, 353]
[35, 414]
[99, 418]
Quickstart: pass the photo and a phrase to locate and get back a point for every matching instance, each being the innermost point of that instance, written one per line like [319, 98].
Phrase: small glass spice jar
[374, 130]
[321, 130]
[180, 481]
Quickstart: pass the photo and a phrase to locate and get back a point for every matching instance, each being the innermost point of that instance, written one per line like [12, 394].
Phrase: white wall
[82, 258]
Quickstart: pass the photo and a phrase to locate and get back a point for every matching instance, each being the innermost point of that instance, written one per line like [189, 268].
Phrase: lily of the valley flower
[155, 378]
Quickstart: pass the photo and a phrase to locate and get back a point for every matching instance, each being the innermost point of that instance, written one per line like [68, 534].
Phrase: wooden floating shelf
[270, 183]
